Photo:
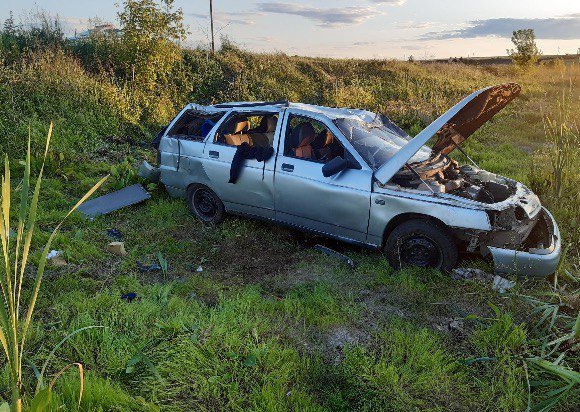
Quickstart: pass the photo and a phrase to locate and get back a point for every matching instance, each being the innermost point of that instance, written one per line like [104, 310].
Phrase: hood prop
[465, 154]
[408, 166]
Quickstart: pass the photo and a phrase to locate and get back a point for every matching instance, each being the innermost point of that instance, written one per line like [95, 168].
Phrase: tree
[526, 51]
[150, 32]
[9, 25]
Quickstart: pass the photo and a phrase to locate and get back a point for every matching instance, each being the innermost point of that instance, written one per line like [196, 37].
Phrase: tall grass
[546, 350]
[15, 313]
[563, 138]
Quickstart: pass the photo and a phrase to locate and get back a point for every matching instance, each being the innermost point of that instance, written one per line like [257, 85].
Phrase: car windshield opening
[377, 139]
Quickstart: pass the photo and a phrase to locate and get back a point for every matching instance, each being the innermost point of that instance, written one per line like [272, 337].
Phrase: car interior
[255, 129]
[310, 139]
[194, 125]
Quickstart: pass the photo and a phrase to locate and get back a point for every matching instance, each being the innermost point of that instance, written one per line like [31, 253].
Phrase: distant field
[506, 60]
[269, 323]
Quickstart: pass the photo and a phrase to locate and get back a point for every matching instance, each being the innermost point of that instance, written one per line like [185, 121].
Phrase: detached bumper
[537, 262]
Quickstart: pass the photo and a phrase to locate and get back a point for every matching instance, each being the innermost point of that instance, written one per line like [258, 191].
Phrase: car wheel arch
[405, 217]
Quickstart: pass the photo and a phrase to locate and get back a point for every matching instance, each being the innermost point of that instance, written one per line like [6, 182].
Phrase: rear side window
[194, 125]
[253, 128]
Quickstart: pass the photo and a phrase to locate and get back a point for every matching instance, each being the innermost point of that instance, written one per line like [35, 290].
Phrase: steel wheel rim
[420, 250]
[205, 203]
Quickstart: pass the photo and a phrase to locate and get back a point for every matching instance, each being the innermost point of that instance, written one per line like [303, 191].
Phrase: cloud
[364, 43]
[241, 18]
[326, 17]
[390, 2]
[561, 28]
[414, 25]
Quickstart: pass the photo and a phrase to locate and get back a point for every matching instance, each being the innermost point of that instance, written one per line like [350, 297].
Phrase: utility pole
[211, 23]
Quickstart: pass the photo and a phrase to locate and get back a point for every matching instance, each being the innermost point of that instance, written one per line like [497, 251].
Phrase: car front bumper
[535, 262]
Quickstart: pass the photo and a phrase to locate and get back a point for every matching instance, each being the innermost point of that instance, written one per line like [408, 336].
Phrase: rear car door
[181, 144]
[253, 192]
[337, 205]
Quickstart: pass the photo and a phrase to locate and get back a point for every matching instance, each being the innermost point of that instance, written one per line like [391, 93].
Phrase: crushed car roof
[330, 112]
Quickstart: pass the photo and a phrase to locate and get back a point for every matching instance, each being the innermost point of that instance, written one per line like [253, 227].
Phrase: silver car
[353, 175]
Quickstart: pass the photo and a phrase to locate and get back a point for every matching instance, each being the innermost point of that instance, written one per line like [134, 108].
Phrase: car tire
[423, 243]
[205, 204]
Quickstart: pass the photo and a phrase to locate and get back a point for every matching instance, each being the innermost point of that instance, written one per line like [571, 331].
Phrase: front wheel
[205, 204]
[421, 242]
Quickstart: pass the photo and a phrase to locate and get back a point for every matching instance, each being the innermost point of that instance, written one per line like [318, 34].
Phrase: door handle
[214, 154]
[287, 167]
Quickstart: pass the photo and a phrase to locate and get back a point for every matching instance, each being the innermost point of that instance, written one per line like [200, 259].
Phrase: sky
[350, 28]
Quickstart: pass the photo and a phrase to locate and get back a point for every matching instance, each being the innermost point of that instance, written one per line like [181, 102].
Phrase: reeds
[16, 312]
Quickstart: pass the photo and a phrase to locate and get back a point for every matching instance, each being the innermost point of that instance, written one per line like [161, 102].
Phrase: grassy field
[268, 323]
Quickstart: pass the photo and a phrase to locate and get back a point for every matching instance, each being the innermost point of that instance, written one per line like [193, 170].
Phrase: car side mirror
[336, 165]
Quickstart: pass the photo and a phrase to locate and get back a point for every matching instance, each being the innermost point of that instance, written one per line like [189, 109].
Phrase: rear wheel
[205, 204]
[423, 243]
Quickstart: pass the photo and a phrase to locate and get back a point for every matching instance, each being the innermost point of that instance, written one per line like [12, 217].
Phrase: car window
[253, 128]
[194, 125]
[310, 139]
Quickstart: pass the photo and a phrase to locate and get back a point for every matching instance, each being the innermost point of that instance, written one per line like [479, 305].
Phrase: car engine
[444, 175]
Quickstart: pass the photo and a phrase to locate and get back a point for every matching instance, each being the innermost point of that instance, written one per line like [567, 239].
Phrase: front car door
[253, 192]
[337, 205]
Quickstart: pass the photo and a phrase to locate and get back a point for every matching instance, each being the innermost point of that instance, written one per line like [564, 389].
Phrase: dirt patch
[247, 260]
[454, 327]
[382, 304]
[339, 338]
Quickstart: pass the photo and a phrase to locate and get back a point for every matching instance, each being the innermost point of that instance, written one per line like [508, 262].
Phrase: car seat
[301, 138]
[263, 135]
[236, 134]
[322, 145]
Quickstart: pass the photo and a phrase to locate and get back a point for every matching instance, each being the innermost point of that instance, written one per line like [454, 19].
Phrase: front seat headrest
[242, 125]
[269, 123]
[301, 132]
[322, 139]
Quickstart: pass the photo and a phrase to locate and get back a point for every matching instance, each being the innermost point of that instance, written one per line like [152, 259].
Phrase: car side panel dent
[181, 164]
[385, 207]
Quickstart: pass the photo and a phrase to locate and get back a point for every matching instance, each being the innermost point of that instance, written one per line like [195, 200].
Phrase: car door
[253, 192]
[336, 205]
[181, 145]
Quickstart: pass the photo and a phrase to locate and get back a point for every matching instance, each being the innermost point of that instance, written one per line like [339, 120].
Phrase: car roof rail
[281, 102]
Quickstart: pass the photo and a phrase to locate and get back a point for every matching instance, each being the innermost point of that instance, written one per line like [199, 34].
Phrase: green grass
[293, 329]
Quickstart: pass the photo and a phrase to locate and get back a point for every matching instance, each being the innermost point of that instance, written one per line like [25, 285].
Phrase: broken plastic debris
[53, 253]
[502, 284]
[54, 257]
[471, 273]
[153, 267]
[498, 283]
[117, 248]
[115, 234]
[129, 296]
[148, 172]
[148, 268]
[127, 196]
[334, 253]
[199, 268]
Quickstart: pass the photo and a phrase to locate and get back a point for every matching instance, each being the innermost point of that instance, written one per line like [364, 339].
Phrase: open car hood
[454, 126]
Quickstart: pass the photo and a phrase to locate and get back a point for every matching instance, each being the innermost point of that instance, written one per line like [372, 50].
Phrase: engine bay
[441, 174]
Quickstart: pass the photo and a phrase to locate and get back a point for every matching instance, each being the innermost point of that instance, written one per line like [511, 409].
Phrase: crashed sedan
[353, 175]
